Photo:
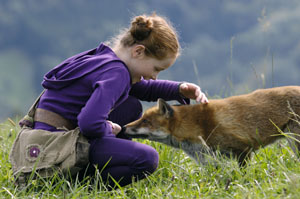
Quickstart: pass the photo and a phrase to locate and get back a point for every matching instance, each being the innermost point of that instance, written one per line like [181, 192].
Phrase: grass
[273, 172]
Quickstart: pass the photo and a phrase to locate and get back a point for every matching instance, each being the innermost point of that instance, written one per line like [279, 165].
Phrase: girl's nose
[154, 77]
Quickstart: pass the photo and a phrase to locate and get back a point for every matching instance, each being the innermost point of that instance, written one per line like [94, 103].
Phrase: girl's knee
[149, 159]
[153, 163]
[137, 108]
[130, 110]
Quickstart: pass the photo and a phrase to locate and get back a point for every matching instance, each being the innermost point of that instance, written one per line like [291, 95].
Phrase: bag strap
[31, 110]
[27, 120]
[52, 119]
[45, 116]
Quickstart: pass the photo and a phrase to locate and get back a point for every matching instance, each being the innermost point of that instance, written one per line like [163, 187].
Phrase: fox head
[163, 122]
[154, 124]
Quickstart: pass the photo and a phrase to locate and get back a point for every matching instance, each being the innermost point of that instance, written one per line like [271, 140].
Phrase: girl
[99, 91]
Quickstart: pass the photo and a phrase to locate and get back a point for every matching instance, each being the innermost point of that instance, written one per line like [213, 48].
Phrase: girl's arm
[92, 120]
[151, 90]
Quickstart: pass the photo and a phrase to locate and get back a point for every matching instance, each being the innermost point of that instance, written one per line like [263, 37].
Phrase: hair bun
[141, 28]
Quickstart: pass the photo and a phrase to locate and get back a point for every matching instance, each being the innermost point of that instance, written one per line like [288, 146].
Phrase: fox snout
[146, 133]
[134, 132]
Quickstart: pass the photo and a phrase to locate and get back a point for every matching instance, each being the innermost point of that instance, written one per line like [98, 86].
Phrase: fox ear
[164, 108]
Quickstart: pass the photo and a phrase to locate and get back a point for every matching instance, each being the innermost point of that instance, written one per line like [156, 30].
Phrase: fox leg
[294, 139]
[243, 157]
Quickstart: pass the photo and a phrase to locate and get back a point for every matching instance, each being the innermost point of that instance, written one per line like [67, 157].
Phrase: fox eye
[144, 121]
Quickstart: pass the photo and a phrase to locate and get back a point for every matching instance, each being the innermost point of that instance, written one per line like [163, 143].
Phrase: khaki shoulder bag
[37, 152]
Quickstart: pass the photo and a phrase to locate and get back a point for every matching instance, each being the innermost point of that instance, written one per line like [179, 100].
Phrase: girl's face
[142, 66]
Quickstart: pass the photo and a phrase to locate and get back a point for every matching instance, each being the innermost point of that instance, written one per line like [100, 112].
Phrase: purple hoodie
[86, 87]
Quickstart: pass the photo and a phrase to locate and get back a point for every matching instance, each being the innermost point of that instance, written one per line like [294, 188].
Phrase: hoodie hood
[78, 66]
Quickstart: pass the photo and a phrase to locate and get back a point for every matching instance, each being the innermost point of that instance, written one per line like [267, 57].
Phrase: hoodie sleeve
[92, 120]
[151, 90]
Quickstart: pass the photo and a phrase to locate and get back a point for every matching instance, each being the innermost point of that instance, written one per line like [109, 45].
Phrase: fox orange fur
[235, 125]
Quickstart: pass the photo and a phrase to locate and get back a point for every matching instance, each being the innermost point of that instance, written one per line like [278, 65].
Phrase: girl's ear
[138, 51]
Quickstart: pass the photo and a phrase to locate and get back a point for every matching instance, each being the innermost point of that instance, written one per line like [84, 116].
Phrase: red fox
[235, 125]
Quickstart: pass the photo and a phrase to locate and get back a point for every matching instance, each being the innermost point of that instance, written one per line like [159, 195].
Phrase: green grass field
[273, 172]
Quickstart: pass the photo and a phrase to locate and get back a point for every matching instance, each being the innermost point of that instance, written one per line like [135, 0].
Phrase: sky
[251, 45]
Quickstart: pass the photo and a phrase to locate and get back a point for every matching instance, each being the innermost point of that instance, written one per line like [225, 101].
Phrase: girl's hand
[116, 128]
[192, 91]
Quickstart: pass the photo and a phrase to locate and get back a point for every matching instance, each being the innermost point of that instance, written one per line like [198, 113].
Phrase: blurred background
[229, 47]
